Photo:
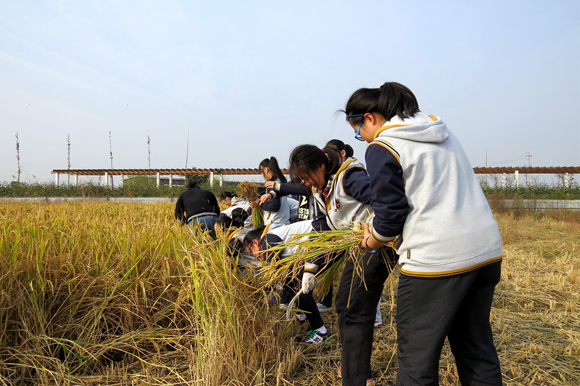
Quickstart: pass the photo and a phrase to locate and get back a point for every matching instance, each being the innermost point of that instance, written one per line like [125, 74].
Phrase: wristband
[367, 247]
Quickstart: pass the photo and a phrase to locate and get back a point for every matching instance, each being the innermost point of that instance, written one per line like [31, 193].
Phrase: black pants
[305, 303]
[359, 292]
[456, 307]
[327, 298]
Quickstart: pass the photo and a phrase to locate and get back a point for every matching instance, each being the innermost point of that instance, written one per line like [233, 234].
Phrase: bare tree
[18, 156]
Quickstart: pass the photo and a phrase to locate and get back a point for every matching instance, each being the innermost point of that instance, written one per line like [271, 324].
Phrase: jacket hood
[420, 128]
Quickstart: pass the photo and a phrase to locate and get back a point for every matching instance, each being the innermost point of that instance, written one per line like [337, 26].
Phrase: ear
[256, 243]
[371, 117]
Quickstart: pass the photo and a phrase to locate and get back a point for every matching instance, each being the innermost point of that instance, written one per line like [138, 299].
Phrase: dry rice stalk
[331, 248]
[121, 294]
[328, 244]
[249, 190]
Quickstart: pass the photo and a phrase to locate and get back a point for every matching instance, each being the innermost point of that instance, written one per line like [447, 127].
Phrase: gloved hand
[309, 280]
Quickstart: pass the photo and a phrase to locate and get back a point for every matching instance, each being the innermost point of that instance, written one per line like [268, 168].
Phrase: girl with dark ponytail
[276, 211]
[427, 200]
[345, 150]
[270, 170]
[342, 197]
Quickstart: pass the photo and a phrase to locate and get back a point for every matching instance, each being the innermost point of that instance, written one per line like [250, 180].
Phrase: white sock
[322, 330]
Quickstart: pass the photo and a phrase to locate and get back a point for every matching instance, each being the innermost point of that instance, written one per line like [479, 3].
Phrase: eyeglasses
[357, 134]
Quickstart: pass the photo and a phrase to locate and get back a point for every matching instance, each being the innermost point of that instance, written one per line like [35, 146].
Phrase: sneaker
[315, 337]
[378, 323]
[283, 306]
[370, 381]
[322, 308]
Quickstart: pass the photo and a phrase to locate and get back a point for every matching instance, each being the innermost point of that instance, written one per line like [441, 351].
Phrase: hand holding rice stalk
[332, 248]
[249, 190]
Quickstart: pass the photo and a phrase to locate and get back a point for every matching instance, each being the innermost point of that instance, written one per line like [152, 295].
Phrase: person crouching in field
[197, 206]
[231, 201]
[425, 191]
[259, 241]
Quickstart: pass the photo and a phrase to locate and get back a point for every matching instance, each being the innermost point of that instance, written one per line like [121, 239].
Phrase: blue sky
[253, 79]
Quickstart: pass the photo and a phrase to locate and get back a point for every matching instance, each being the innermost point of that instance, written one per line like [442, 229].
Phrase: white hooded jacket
[449, 227]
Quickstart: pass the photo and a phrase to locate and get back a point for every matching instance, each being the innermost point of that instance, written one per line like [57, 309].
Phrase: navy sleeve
[293, 188]
[268, 242]
[389, 201]
[357, 184]
[273, 205]
[235, 248]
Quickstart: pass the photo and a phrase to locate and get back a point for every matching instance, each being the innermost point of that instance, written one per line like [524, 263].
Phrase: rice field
[121, 294]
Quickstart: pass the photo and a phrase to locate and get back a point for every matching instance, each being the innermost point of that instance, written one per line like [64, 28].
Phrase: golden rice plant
[108, 293]
[121, 294]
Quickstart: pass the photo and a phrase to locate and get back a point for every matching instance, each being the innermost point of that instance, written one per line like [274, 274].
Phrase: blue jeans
[205, 222]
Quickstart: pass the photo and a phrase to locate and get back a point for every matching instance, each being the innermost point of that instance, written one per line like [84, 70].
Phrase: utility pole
[187, 151]
[528, 157]
[18, 156]
[149, 152]
[68, 156]
[486, 167]
[111, 153]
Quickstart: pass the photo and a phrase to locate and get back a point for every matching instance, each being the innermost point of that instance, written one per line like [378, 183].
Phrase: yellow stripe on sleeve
[379, 142]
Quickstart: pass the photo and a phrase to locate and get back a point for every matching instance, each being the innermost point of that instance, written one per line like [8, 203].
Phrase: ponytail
[337, 144]
[272, 164]
[341, 146]
[305, 159]
[349, 150]
[389, 100]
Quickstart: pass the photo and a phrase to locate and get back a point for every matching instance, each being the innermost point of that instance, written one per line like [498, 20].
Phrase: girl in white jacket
[427, 200]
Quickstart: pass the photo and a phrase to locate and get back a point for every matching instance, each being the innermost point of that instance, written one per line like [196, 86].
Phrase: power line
[509, 160]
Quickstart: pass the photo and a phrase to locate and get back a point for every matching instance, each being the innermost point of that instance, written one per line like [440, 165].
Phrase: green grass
[539, 192]
[133, 187]
[145, 187]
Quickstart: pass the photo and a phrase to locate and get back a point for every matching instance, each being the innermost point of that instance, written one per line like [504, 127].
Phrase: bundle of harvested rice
[331, 248]
[249, 190]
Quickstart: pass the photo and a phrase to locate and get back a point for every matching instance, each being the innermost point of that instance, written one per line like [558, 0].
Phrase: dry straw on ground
[120, 294]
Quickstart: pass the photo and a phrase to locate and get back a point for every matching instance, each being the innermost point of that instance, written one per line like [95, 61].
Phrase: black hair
[252, 235]
[305, 159]
[349, 150]
[340, 146]
[239, 216]
[336, 143]
[388, 100]
[191, 184]
[224, 222]
[272, 164]
[225, 195]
